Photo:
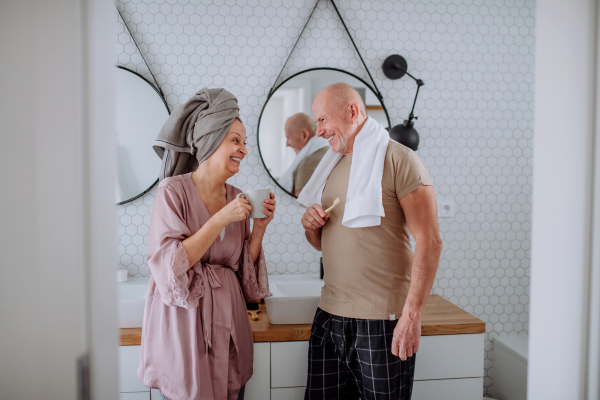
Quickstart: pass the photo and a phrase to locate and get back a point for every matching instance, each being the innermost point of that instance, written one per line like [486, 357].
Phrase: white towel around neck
[287, 179]
[364, 203]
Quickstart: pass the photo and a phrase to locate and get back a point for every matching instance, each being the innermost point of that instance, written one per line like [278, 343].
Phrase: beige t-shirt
[306, 168]
[367, 270]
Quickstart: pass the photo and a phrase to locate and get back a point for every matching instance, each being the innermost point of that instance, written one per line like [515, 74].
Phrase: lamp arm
[411, 115]
[419, 81]
[419, 84]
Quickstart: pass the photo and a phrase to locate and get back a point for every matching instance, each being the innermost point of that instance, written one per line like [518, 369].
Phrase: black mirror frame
[387, 116]
[169, 111]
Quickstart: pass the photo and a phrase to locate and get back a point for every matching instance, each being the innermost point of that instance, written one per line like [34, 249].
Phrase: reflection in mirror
[286, 132]
[140, 114]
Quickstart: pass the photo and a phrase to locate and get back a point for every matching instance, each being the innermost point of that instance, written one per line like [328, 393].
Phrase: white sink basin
[295, 298]
[131, 300]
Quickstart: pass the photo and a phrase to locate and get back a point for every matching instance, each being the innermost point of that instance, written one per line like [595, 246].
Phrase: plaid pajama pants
[350, 359]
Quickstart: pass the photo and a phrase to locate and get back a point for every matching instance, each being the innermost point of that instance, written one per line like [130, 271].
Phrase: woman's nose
[243, 149]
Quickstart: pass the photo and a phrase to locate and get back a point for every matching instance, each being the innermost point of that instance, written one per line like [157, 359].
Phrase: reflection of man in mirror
[367, 328]
[300, 134]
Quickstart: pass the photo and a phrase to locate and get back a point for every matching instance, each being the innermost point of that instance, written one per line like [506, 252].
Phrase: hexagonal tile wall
[475, 118]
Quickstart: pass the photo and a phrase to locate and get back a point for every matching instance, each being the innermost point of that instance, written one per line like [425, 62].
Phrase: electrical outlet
[446, 208]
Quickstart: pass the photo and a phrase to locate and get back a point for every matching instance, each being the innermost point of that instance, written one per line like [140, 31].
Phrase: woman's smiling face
[232, 149]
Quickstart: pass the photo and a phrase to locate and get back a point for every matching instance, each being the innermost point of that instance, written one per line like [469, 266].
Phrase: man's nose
[320, 132]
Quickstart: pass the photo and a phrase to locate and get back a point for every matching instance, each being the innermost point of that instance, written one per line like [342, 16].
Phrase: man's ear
[305, 136]
[354, 112]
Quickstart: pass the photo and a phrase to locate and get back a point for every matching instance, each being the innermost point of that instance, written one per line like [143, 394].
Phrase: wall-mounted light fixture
[395, 67]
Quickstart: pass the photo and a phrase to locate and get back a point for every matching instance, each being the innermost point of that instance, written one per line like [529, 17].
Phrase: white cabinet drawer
[259, 386]
[129, 360]
[289, 364]
[135, 396]
[448, 389]
[296, 393]
[450, 356]
[444, 389]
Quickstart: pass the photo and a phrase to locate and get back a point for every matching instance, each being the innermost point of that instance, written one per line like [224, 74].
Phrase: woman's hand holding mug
[261, 197]
[237, 210]
[268, 210]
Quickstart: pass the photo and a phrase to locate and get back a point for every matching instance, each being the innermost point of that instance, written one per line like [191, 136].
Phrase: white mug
[256, 198]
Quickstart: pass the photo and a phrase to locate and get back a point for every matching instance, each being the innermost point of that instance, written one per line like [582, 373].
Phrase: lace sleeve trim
[185, 287]
[255, 279]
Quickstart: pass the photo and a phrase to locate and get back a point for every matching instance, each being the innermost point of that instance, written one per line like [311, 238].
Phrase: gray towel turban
[196, 128]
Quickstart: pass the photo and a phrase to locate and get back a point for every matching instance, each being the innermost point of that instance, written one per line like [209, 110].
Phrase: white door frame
[564, 256]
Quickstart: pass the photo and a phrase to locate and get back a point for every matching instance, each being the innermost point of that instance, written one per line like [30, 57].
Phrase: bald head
[300, 121]
[341, 95]
[299, 129]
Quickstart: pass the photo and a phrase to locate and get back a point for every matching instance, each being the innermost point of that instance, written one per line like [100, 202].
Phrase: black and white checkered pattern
[350, 359]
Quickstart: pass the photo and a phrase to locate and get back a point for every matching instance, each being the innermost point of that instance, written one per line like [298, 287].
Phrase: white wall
[55, 243]
[566, 73]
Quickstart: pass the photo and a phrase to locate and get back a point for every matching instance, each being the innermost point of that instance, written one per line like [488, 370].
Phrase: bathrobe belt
[209, 281]
[215, 297]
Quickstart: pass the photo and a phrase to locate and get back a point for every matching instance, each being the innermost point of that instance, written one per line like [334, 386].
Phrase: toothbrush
[335, 203]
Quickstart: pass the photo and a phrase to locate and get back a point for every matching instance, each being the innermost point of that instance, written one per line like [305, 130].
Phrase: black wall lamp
[395, 67]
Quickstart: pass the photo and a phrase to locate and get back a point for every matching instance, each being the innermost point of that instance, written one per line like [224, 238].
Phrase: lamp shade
[406, 134]
[394, 67]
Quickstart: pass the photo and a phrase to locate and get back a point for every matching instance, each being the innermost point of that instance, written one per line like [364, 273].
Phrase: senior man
[300, 132]
[366, 331]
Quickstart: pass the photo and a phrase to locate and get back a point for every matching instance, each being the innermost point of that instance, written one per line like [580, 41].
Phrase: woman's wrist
[220, 219]
[259, 230]
[257, 234]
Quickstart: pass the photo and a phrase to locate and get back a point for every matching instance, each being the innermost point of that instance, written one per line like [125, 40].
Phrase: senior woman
[204, 259]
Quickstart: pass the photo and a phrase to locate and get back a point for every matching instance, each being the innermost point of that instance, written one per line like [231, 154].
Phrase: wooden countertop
[440, 317]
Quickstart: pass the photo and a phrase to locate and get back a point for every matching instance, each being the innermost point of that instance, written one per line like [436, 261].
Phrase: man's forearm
[424, 267]
[314, 238]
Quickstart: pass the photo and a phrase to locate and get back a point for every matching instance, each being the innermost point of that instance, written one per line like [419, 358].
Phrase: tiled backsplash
[475, 118]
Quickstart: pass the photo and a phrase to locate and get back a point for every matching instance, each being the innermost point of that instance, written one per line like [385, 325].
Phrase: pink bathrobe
[196, 338]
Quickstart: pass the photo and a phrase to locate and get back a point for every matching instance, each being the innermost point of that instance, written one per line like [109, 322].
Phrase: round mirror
[140, 114]
[288, 147]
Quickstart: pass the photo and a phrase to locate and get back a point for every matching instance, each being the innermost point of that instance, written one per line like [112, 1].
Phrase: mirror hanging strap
[160, 92]
[377, 92]
[293, 48]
